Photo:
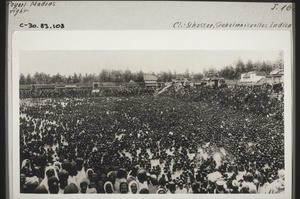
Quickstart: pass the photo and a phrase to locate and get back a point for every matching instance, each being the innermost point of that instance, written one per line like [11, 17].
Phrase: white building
[277, 76]
[150, 80]
[252, 77]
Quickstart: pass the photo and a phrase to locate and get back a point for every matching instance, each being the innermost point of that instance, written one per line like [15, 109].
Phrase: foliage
[233, 71]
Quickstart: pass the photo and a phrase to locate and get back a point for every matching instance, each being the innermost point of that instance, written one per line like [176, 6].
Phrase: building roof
[257, 73]
[232, 82]
[109, 84]
[150, 82]
[277, 72]
[150, 78]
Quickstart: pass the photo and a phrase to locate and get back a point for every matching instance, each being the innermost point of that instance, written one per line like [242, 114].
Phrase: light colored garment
[152, 188]
[277, 186]
[264, 189]
[80, 174]
[142, 186]
[72, 179]
[61, 191]
[33, 179]
[117, 184]
[181, 191]
[252, 187]
[91, 191]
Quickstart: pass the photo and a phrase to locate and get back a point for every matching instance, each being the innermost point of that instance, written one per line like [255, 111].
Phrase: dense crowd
[188, 141]
[54, 93]
[88, 92]
[260, 100]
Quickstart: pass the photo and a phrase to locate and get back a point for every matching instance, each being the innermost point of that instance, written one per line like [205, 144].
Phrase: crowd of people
[254, 99]
[54, 93]
[189, 141]
[86, 92]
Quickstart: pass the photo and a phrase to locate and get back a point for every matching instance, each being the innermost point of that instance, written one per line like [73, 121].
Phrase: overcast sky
[68, 62]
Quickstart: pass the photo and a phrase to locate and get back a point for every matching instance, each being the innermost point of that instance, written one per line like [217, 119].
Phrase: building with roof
[276, 76]
[150, 80]
[253, 77]
[214, 81]
[232, 82]
[132, 83]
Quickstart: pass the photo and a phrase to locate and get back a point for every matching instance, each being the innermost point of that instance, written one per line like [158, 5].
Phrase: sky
[69, 62]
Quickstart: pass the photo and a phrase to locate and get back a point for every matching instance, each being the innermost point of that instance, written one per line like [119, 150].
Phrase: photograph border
[22, 41]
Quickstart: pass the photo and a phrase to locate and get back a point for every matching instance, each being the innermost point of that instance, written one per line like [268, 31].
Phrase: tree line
[105, 75]
[232, 72]
[235, 71]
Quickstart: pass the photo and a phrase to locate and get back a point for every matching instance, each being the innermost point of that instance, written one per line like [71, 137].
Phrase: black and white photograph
[152, 122]
[207, 114]
[181, 98]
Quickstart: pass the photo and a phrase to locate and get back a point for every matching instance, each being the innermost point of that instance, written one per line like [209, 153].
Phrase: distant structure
[150, 81]
[97, 86]
[276, 76]
[253, 77]
[214, 81]
[260, 77]
[132, 83]
[276, 79]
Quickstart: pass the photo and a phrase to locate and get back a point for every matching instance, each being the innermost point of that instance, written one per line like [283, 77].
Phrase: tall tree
[75, 78]
[165, 77]
[104, 76]
[266, 67]
[80, 78]
[279, 64]
[198, 76]
[22, 79]
[212, 72]
[249, 66]
[139, 76]
[228, 72]
[240, 68]
[29, 79]
[127, 75]
[186, 74]
[58, 79]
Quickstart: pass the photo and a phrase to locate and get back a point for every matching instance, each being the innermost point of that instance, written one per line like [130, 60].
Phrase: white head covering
[161, 189]
[87, 171]
[112, 186]
[57, 163]
[82, 179]
[45, 180]
[24, 163]
[129, 186]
